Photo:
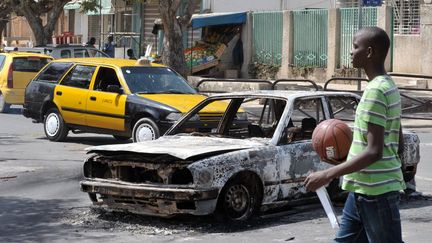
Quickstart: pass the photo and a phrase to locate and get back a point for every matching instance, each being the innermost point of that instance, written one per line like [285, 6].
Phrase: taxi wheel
[54, 126]
[4, 107]
[145, 129]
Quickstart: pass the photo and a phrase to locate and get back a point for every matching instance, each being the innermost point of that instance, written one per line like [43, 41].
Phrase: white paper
[328, 207]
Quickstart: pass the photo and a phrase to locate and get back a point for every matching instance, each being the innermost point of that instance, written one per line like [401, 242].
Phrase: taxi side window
[79, 77]
[2, 61]
[105, 77]
[53, 73]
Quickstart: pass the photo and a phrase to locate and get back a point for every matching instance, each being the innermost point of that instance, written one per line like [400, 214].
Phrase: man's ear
[370, 52]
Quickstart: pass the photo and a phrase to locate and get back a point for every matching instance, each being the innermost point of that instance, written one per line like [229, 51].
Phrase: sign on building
[372, 3]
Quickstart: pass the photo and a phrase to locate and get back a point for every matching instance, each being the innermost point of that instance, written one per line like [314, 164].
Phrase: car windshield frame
[155, 80]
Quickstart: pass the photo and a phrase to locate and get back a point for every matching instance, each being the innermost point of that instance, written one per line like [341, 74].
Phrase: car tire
[238, 200]
[121, 138]
[145, 129]
[4, 107]
[54, 126]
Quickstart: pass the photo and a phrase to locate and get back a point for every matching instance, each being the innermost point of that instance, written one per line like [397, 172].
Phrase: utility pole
[360, 17]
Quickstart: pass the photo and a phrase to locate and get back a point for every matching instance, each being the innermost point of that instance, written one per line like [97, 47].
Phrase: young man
[130, 54]
[372, 172]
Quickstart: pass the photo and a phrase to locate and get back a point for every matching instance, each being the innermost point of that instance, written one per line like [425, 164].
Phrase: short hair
[377, 38]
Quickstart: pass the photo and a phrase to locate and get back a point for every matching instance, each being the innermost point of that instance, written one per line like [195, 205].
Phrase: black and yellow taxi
[16, 71]
[125, 98]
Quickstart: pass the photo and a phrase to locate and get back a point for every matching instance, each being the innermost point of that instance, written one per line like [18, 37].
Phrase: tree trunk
[173, 52]
[43, 34]
[2, 28]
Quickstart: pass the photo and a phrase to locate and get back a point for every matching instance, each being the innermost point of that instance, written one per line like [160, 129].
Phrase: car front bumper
[151, 199]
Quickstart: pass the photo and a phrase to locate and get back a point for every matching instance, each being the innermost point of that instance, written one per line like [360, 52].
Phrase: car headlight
[174, 116]
[241, 116]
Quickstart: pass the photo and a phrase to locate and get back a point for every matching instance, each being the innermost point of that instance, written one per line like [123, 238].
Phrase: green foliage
[90, 5]
[261, 70]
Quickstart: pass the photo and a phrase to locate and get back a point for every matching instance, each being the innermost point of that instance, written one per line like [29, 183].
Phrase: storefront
[221, 32]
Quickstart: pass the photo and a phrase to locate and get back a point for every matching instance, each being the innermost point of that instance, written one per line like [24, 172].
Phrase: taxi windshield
[155, 80]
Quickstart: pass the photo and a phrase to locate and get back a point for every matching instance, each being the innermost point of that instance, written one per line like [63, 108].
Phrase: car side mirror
[115, 89]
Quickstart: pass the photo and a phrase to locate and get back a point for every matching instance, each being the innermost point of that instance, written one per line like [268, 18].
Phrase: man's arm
[372, 153]
[401, 142]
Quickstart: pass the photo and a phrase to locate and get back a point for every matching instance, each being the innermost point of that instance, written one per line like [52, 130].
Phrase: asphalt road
[40, 200]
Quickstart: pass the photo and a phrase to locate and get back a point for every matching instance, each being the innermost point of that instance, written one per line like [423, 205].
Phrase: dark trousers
[373, 219]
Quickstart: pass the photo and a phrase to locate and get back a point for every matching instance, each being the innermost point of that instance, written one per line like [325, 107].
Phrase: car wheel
[145, 129]
[54, 126]
[4, 107]
[121, 138]
[238, 200]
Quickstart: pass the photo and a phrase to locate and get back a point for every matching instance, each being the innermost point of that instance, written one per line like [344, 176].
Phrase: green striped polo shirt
[380, 105]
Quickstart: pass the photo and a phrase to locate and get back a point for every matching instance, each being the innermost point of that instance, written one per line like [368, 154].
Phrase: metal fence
[267, 37]
[416, 102]
[406, 16]
[349, 25]
[310, 38]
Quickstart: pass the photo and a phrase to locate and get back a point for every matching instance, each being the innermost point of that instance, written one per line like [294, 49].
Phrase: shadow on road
[52, 220]
[102, 219]
[15, 111]
[28, 220]
[95, 218]
[91, 140]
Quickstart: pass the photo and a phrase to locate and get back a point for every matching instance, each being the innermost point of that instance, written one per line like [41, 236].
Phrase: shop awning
[202, 20]
[75, 4]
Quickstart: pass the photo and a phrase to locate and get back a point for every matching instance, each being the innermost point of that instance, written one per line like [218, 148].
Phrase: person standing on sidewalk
[109, 47]
[373, 171]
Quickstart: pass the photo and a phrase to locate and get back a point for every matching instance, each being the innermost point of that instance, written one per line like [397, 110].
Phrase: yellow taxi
[16, 70]
[125, 98]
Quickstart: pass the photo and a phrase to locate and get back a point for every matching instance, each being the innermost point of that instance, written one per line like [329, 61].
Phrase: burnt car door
[295, 150]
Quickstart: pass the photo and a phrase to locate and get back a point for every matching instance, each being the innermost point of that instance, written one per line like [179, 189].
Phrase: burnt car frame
[234, 168]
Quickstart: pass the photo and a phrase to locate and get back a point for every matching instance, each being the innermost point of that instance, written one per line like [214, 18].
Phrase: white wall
[405, 47]
[263, 5]
[81, 25]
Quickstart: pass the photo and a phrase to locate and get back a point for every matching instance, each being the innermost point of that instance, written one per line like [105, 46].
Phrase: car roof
[285, 94]
[64, 46]
[26, 54]
[107, 61]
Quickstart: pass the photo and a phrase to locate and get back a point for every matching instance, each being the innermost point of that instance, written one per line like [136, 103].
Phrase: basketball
[331, 139]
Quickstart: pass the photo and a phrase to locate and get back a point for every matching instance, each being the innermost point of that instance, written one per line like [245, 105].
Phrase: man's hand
[317, 180]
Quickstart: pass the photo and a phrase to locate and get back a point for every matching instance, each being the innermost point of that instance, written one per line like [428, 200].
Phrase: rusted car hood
[182, 147]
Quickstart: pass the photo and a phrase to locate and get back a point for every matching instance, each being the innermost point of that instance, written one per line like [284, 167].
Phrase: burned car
[253, 157]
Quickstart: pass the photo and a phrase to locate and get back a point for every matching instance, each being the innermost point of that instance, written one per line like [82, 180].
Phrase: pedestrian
[130, 54]
[373, 171]
[91, 42]
[109, 46]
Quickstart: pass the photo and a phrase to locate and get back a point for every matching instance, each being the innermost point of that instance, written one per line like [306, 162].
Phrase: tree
[33, 10]
[174, 26]
[5, 10]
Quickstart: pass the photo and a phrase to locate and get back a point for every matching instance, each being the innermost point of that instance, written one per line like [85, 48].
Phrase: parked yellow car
[16, 70]
[124, 98]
